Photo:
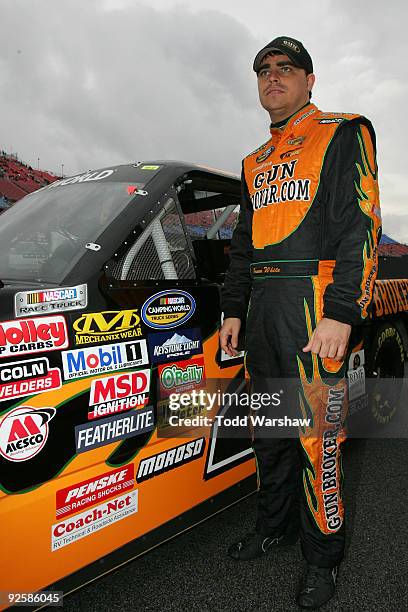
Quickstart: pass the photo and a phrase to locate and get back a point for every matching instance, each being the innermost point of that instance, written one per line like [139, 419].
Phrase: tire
[386, 368]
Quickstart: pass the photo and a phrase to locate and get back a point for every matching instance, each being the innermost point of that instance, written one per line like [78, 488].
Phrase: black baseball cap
[289, 46]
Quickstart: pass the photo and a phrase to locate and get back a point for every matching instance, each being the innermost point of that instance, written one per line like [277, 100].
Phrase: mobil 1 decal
[20, 378]
[50, 300]
[107, 358]
[106, 326]
[113, 394]
[170, 459]
[170, 346]
[24, 432]
[168, 309]
[35, 335]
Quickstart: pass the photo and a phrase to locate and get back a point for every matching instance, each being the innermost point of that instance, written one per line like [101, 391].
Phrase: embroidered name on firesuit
[279, 185]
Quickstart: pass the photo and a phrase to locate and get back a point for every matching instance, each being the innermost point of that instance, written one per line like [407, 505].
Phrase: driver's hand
[229, 336]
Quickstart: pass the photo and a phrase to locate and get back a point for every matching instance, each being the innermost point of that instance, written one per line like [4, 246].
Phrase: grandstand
[17, 179]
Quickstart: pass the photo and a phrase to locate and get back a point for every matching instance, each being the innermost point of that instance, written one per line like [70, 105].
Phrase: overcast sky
[90, 83]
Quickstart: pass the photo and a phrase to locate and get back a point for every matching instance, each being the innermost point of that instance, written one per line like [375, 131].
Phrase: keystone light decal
[168, 309]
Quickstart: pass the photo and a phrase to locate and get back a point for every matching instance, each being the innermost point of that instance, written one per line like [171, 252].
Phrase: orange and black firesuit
[305, 247]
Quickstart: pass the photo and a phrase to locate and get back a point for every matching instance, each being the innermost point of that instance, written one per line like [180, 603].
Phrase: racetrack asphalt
[192, 571]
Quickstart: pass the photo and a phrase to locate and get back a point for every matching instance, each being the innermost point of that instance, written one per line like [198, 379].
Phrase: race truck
[110, 303]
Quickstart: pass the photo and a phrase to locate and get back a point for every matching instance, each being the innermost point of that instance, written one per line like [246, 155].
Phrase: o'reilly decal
[107, 358]
[88, 522]
[168, 346]
[168, 309]
[32, 336]
[89, 492]
[107, 326]
[20, 378]
[24, 432]
[114, 428]
[182, 376]
[114, 394]
[50, 300]
[170, 459]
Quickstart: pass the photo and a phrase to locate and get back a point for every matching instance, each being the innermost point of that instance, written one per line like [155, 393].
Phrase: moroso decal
[108, 358]
[181, 376]
[50, 300]
[24, 432]
[114, 394]
[32, 336]
[89, 522]
[107, 326]
[114, 428]
[168, 309]
[170, 459]
[21, 378]
[89, 492]
[167, 346]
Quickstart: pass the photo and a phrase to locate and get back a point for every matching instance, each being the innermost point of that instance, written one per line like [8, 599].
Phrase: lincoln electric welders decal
[24, 432]
[114, 394]
[32, 336]
[50, 300]
[89, 492]
[88, 522]
[19, 378]
[168, 309]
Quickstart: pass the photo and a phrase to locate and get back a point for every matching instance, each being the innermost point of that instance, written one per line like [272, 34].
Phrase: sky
[92, 83]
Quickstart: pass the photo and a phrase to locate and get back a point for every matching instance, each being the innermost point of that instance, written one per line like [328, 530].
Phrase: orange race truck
[109, 286]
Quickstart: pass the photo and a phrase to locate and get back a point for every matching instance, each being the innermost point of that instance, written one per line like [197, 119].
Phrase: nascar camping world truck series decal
[168, 309]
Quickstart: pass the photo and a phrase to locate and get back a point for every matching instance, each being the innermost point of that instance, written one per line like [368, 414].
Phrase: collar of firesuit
[280, 124]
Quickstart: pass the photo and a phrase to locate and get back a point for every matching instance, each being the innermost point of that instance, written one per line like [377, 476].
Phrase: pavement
[192, 571]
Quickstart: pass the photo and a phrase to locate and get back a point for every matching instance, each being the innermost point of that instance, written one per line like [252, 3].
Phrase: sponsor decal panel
[170, 459]
[82, 525]
[114, 394]
[107, 358]
[24, 432]
[89, 492]
[20, 378]
[107, 326]
[114, 428]
[50, 300]
[32, 336]
[168, 309]
[167, 346]
[182, 376]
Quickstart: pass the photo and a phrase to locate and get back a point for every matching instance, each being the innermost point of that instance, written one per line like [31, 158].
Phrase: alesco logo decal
[106, 326]
[24, 432]
[168, 309]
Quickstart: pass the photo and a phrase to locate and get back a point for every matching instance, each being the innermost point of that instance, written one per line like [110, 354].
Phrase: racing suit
[305, 247]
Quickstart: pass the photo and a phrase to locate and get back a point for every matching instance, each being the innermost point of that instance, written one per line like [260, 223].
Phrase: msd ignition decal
[118, 393]
[181, 376]
[107, 326]
[279, 185]
[168, 309]
[32, 336]
[170, 459]
[90, 492]
[168, 346]
[24, 432]
[91, 361]
[113, 429]
[50, 300]
[89, 522]
[21, 378]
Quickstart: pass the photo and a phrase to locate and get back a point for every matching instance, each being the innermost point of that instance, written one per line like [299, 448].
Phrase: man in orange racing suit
[305, 252]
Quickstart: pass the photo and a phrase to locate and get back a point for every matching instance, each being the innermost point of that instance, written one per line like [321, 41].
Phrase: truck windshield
[44, 235]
